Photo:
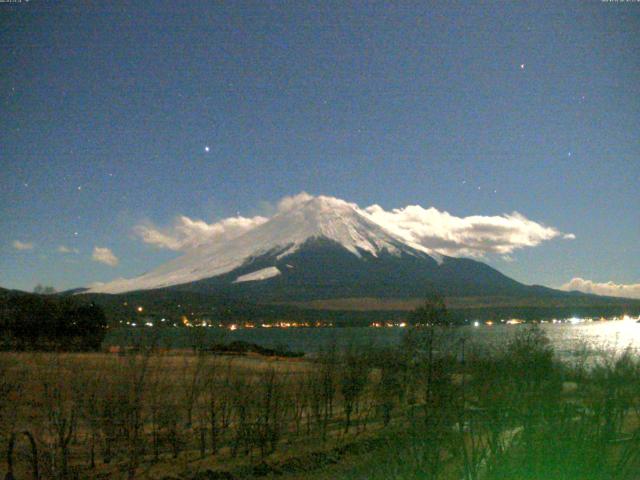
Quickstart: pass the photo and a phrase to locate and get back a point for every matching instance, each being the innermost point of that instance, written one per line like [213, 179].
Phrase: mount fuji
[322, 248]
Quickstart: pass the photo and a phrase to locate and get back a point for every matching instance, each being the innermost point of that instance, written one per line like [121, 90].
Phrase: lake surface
[610, 336]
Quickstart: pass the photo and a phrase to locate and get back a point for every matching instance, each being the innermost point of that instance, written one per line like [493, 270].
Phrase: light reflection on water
[611, 336]
[607, 337]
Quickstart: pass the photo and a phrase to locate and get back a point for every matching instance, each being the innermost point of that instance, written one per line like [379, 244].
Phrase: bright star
[206, 148]
[522, 66]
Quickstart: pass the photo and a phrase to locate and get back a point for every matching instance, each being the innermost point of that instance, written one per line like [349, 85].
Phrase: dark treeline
[46, 322]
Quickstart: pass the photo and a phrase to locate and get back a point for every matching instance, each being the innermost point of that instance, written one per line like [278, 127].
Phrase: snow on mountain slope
[283, 234]
[261, 274]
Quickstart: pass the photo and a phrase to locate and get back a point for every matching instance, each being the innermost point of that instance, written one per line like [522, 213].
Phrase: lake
[566, 338]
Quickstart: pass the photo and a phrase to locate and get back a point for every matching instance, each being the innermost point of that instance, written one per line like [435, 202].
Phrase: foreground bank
[435, 406]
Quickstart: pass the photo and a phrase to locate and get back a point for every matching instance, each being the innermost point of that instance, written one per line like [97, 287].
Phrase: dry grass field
[158, 414]
[419, 411]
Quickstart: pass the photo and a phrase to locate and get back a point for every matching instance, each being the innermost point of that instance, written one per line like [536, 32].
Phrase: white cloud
[18, 245]
[609, 289]
[64, 249]
[473, 236]
[104, 255]
[100, 284]
[187, 234]
[288, 203]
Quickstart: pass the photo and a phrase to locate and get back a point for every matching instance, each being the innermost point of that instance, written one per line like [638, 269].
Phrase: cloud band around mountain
[472, 236]
[187, 234]
[609, 289]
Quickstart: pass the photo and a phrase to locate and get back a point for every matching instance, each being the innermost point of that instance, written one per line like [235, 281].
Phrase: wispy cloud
[187, 233]
[104, 255]
[472, 236]
[18, 245]
[610, 289]
[65, 249]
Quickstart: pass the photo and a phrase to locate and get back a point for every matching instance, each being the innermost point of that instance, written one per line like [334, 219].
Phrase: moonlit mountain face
[321, 248]
[319, 218]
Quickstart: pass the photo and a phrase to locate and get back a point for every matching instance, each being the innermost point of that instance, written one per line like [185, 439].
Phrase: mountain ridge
[319, 249]
[283, 234]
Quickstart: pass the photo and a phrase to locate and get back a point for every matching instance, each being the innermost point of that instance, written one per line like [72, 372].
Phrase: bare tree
[217, 400]
[90, 409]
[192, 382]
[300, 401]
[354, 373]
[242, 405]
[135, 369]
[35, 471]
[271, 411]
[325, 381]
[62, 399]
[389, 388]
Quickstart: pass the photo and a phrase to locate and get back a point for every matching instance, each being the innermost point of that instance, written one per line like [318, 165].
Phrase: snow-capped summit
[295, 225]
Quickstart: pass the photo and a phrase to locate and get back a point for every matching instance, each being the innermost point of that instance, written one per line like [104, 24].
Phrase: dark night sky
[116, 113]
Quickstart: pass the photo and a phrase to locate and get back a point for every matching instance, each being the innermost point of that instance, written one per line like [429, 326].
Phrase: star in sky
[286, 124]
